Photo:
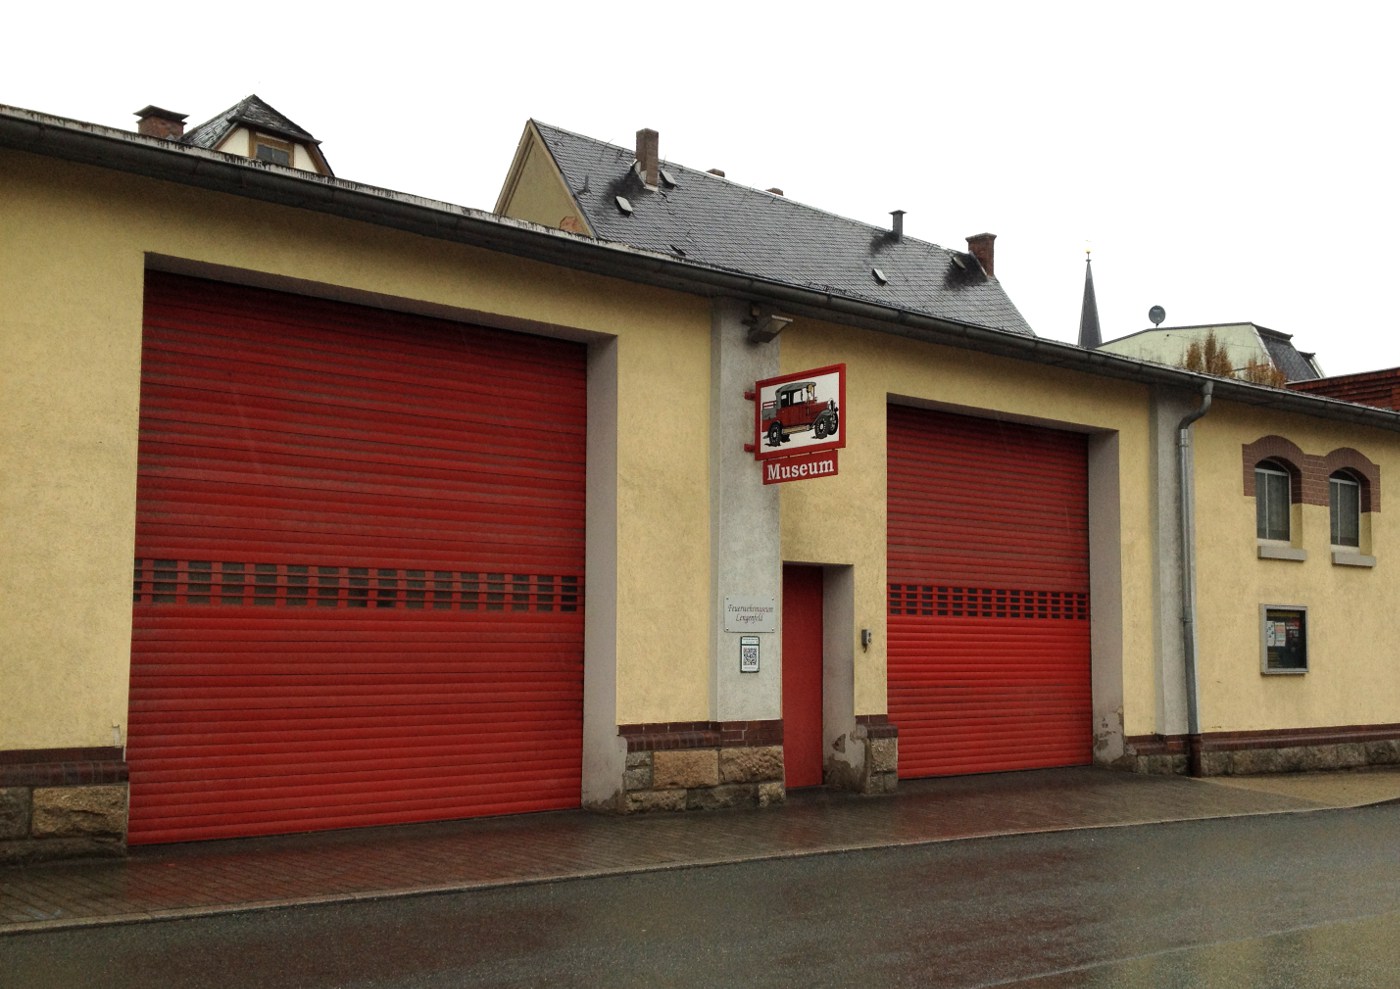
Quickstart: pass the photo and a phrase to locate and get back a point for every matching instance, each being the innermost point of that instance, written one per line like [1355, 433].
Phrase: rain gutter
[1186, 510]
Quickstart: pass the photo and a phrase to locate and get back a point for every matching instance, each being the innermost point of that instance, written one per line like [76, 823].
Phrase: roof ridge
[708, 175]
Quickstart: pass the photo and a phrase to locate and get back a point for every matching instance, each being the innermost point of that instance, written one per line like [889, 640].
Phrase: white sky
[1228, 161]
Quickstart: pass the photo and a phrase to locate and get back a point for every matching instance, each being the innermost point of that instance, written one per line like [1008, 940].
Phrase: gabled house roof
[255, 114]
[705, 219]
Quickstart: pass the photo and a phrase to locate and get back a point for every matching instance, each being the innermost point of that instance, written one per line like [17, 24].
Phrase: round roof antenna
[1156, 314]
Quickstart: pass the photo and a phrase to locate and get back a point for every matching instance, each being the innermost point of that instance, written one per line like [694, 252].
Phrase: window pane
[278, 156]
[1346, 512]
[1271, 504]
[1261, 504]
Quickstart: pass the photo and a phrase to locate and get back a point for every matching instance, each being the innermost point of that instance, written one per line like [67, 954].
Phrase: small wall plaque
[743, 613]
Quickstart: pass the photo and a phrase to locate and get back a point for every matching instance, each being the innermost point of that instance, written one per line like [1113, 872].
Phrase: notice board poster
[1285, 636]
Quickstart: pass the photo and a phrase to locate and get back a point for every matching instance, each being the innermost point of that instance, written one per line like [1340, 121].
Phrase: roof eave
[90, 144]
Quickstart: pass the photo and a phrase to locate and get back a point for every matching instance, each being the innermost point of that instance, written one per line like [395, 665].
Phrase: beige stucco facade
[79, 238]
[71, 266]
[1352, 651]
[534, 190]
[841, 520]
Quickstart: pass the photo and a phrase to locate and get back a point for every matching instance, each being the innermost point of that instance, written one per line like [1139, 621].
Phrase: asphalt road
[1294, 901]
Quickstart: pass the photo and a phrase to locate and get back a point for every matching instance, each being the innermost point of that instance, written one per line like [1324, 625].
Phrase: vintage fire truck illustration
[794, 409]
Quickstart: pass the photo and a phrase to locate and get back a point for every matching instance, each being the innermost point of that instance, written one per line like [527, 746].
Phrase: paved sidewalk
[262, 873]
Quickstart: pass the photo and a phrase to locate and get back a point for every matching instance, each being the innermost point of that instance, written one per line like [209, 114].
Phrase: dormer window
[270, 149]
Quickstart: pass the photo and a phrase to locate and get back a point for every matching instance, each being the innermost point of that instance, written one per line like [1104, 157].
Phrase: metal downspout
[1188, 580]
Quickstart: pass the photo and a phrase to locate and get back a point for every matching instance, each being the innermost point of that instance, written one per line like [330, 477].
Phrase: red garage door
[359, 567]
[988, 595]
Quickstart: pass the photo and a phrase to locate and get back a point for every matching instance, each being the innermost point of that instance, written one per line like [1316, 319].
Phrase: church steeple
[1089, 335]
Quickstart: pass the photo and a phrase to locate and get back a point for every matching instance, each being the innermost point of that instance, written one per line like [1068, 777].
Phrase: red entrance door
[802, 675]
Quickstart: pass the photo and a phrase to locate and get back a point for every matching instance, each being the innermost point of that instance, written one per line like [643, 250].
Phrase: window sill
[1283, 673]
[1351, 558]
[1281, 551]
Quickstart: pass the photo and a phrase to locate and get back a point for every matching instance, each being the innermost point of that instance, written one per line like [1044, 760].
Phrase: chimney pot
[983, 248]
[154, 121]
[898, 227]
[649, 156]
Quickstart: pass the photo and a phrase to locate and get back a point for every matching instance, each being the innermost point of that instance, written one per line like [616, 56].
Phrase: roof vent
[624, 206]
[716, 171]
[879, 276]
[668, 179]
[898, 227]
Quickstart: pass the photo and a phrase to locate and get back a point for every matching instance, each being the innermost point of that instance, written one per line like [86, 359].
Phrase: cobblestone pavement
[261, 873]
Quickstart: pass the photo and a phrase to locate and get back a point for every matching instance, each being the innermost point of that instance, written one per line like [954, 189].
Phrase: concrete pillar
[604, 753]
[745, 541]
[1106, 595]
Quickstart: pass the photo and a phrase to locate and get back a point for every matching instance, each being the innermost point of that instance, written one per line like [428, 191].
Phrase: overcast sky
[1227, 161]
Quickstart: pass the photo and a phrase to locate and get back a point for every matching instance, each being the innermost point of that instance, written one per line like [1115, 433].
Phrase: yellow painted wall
[535, 190]
[74, 249]
[841, 520]
[77, 240]
[1353, 650]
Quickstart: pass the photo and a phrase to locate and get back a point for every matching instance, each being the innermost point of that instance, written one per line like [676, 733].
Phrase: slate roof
[711, 221]
[1295, 365]
[252, 112]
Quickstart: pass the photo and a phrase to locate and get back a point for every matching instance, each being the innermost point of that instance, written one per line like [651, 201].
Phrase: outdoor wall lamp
[765, 325]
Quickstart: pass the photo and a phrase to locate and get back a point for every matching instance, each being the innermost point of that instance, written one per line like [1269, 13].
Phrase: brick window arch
[1346, 481]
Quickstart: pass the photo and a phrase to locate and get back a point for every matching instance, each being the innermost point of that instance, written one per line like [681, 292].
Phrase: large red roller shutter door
[988, 569]
[359, 567]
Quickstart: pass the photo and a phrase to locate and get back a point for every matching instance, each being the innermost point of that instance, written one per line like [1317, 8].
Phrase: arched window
[1344, 503]
[1273, 483]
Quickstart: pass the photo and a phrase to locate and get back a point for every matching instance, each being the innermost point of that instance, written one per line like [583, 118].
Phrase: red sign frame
[800, 413]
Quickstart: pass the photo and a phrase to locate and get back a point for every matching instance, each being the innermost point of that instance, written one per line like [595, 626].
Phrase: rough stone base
[1300, 759]
[51, 822]
[1260, 760]
[28, 850]
[703, 779]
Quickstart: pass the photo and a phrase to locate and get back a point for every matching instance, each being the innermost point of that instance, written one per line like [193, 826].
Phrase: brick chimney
[983, 248]
[153, 121]
[649, 156]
